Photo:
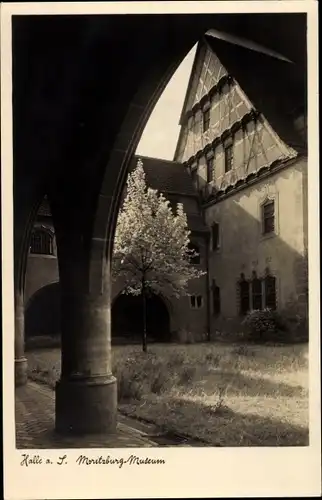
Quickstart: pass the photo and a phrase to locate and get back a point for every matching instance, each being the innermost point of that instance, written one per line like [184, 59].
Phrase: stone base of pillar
[20, 371]
[86, 406]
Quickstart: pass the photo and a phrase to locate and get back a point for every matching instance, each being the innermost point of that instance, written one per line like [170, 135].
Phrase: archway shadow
[42, 315]
[127, 319]
[230, 428]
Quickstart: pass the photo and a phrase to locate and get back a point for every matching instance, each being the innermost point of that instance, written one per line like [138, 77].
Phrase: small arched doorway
[127, 319]
[42, 315]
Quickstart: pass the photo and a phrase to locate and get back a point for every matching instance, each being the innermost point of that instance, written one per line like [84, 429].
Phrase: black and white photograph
[160, 246]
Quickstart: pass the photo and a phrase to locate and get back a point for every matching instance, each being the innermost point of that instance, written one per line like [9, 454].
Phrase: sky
[160, 135]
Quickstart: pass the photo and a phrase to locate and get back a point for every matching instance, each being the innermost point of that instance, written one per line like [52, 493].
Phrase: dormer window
[194, 174]
[206, 119]
[229, 155]
[196, 126]
[210, 168]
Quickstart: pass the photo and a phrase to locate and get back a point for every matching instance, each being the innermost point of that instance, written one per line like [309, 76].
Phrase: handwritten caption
[30, 460]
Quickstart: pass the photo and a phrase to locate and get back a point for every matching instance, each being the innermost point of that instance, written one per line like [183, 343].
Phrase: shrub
[264, 326]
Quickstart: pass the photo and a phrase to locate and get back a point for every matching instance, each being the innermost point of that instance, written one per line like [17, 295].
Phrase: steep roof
[166, 176]
[170, 177]
[270, 82]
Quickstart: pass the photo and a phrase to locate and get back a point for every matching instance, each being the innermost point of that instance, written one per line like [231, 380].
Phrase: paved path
[35, 422]
[35, 419]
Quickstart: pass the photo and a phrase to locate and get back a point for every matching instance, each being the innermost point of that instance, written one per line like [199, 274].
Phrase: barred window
[41, 242]
[268, 214]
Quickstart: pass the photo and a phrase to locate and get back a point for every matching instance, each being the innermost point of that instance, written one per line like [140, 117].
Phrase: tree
[151, 252]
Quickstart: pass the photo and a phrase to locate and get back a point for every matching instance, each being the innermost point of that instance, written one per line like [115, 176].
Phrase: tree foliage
[151, 251]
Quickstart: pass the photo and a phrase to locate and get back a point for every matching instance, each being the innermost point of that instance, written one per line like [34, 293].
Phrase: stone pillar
[20, 359]
[86, 396]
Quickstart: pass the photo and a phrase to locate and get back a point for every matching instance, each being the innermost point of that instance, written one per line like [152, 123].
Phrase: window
[256, 293]
[196, 126]
[206, 119]
[195, 259]
[215, 236]
[215, 298]
[196, 301]
[194, 174]
[41, 242]
[210, 168]
[268, 211]
[244, 296]
[270, 292]
[229, 157]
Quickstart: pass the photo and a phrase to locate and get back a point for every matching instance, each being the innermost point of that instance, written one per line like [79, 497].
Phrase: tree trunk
[144, 333]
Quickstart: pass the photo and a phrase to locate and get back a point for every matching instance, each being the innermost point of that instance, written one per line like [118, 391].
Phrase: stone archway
[127, 319]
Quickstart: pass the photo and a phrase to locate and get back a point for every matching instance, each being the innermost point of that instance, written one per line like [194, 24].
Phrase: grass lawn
[226, 395]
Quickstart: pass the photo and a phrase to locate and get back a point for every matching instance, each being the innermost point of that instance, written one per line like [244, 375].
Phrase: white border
[194, 472]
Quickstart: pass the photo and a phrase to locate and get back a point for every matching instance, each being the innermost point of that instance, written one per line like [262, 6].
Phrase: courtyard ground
[224, 395]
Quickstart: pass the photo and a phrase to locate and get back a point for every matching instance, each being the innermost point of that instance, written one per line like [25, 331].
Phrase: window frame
[194, 301]
[265, 217]
[271, 276]
[49, 242]
[217, 247]
[257, 294]
[229, 146]
[210, 163]
[196, 128]
[205, 119]
[194, 172]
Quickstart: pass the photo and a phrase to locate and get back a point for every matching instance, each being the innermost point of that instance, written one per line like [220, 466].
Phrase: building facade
[248, 162]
